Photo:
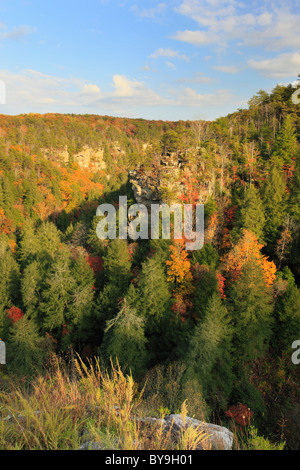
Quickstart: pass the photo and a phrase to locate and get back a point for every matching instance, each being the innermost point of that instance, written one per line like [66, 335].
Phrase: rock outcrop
[214, 437]
[87, 157]
[217, 437]
[145, 187]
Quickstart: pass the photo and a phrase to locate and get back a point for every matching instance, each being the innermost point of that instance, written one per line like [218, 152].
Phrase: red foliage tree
[240, 414]
[95, 262]
[15, 314]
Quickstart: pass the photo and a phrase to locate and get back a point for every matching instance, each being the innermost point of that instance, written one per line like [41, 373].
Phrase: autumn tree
[179, 267]
[248, 251]
[180, 276]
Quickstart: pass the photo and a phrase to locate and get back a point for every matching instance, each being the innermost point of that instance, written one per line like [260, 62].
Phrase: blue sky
[151, 59]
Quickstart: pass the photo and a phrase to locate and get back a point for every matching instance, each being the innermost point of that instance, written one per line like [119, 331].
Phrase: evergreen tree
[9, 281]
[286, 146]
[209, 358]
[250, 307]
[287, 314]
[208, 255]
[31, 286]
[206, 284]
[60, 284]
[274, 199]
[125, 340]
[29, 244]
[117, 264]
[252, 216]
[82, 295]
[153, 301]
[25, 352]
[49, 239]
[154, 294]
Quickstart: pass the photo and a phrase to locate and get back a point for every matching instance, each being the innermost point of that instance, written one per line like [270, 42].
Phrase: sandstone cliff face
[145, 187]
[165, 182]
[87, 157]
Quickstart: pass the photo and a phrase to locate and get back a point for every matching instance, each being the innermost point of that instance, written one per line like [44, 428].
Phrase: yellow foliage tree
[179, 273]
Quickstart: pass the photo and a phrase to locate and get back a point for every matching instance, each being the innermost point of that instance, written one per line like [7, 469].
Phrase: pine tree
[31, 286]
[154, 297]
[286, 147]
[274, 199]
[287, 314]
[153, 301]
[57, 296]
[209, 358]
[208, 255]
[82, 295]
[250, 307]
[117, 263]
[252, 215]
[41, 244]
[125, 340]
[294, 211]
[29, 245]
[206, 284]
[25, 352]
[9, 281]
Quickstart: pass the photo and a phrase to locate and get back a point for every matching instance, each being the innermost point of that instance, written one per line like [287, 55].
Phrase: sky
[152, 59]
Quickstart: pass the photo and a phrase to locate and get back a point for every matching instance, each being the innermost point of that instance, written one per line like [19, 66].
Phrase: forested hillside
[213, 326]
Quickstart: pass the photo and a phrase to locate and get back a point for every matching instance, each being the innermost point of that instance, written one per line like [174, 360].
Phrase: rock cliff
[167, 181]
[87, 157]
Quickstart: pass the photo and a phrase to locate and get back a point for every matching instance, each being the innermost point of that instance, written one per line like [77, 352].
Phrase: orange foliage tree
[179, 273]
[248, 249]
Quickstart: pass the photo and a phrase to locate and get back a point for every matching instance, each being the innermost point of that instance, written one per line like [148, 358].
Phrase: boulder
[218, 437]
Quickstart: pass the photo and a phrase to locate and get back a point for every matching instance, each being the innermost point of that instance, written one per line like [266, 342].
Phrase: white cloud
[124, 87]
[168, 53]
[15, 33]
[189, 97]
[282, 66]
[33, 91]
[171, 65]
[226, 68]
[281, 32]
[133, 93]
[91, 89]
[151, 13]
[197, 38]
[271, 25]
[199, 77]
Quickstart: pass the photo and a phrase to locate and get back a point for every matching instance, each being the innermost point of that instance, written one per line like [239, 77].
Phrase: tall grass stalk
[60, 412]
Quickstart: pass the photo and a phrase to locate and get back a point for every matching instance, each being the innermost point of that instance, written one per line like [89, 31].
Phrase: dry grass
[60, 413]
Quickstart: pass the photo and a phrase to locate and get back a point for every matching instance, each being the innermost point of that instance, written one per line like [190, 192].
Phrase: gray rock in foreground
[216, 437]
